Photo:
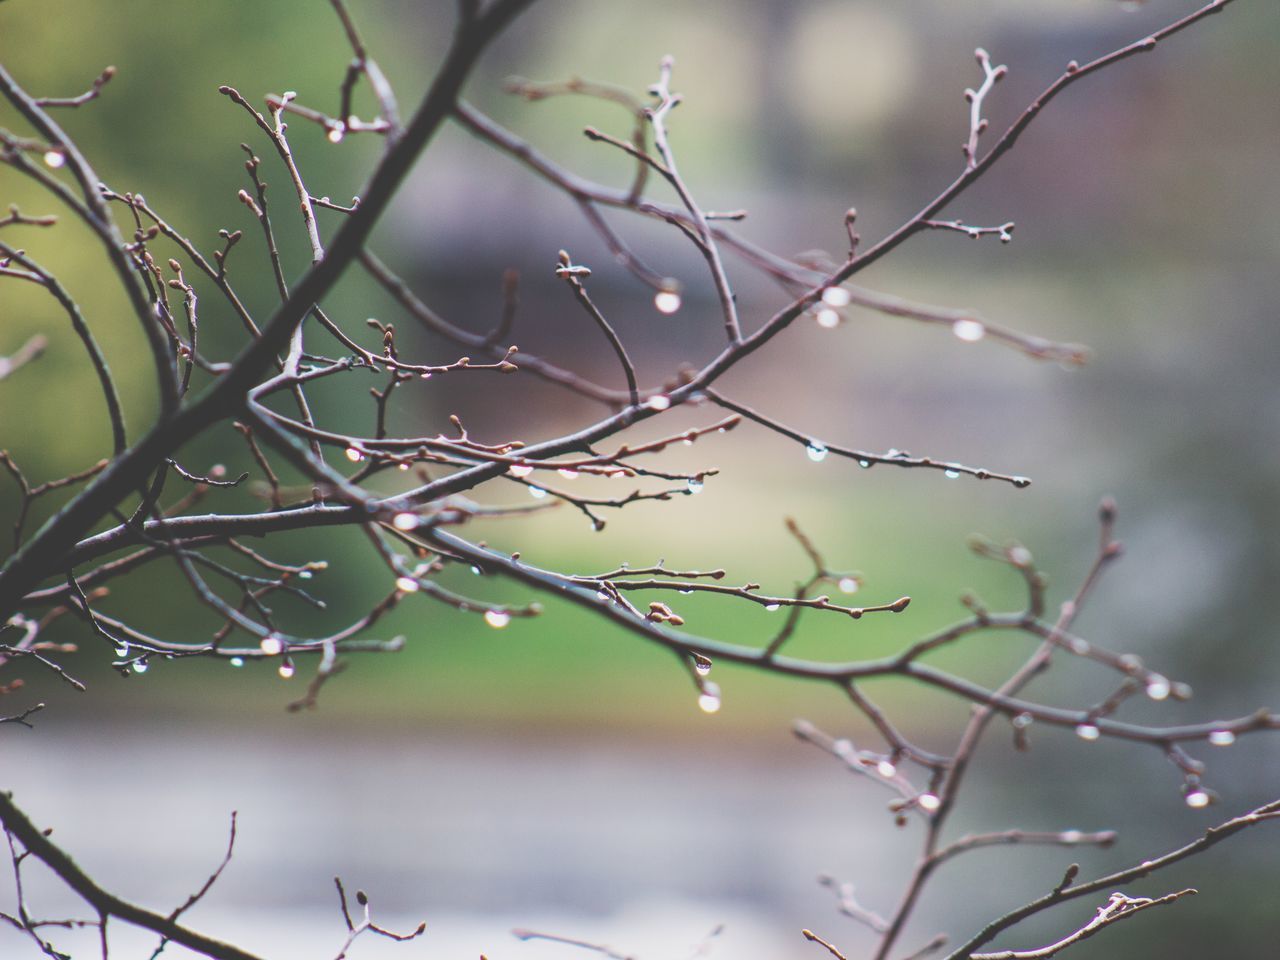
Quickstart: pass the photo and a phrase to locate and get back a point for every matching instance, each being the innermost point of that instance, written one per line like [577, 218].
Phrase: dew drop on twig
[970, 331]
[816, 451]
[667, 301]
[709, 698]
[497, 618]
[1198, 798]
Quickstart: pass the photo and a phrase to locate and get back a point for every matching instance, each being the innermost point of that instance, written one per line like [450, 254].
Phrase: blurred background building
[558, 774]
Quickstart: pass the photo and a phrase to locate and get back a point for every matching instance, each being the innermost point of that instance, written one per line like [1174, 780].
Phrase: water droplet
[772, 607]
[54, 158]
[928, 801]
[402, 467]
[1079, 647]
[844, 748]
[236, 661]
[406, 584]
[836, 297]
[271, 645]
[567, 473]
[1072, 836]
[667, 301]
[1198, 798]
[354, 455]
[520, 469]
[1158, 688]
[140, 666]
[817, 451]
[1020, 556]
[286, 670]
[828, 319]
[1087, 731]
[886, 769]
[695, 485]
[970, 331]
[405, 521]
[497, 618]
[709, 698]
[848, 584]
[336, 133]
[304, 574]
[122, 651]
[1023, 720]
[476, 570]
[537, 492]
[951, 474]
[659, 402]
[1222, 738]
[865, 464]
[702, 667]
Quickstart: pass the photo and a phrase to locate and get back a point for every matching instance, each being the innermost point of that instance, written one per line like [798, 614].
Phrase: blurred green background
[1146, 215]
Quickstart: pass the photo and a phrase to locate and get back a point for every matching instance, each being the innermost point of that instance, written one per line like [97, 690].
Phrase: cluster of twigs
[121, 521]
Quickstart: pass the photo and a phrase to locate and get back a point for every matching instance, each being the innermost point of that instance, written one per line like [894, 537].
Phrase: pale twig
[1118, 907]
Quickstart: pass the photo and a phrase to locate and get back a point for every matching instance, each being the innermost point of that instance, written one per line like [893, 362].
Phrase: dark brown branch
[107, 904]
[1266, 813]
